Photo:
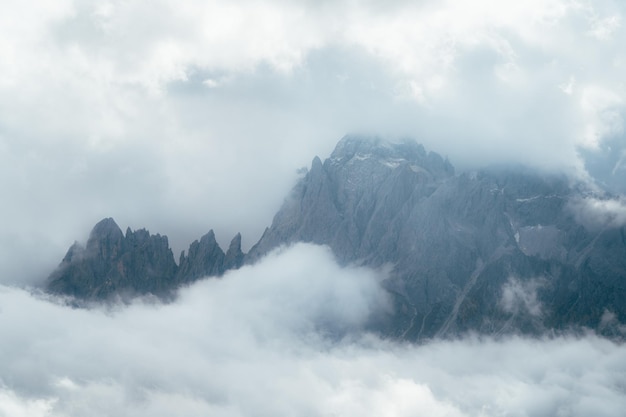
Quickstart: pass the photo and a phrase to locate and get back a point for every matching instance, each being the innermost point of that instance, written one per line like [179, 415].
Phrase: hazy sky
[185, 116]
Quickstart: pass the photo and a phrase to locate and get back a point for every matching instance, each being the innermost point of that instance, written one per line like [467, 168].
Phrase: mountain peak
[208, 238]
[234, 256]
[106, 228]
[352, 145]
[467, 252]
[105, 239]
[353, 149]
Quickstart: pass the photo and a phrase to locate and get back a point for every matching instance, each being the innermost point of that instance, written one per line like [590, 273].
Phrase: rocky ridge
[494, 251]
[114, 265]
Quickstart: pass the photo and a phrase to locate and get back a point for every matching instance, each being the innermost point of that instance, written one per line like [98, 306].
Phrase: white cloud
[211, 83]
[604, 28]
[521, 296]
[103, 112]
[568, 88]
[256, 343]
[602, 111]
[103, 109]
[596, 213]
[610, 322]
[390, 397]
[14, 406]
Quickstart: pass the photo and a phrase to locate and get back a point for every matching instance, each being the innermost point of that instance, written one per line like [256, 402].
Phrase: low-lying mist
[283, 337]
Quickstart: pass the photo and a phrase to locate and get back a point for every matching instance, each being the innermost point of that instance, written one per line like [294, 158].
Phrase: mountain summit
[114, 265]
[350, 201]
[494, 251]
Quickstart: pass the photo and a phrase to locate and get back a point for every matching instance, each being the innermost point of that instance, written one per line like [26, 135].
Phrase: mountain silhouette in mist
[494, 251]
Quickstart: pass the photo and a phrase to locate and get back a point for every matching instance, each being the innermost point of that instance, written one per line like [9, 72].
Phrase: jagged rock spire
[234, 256]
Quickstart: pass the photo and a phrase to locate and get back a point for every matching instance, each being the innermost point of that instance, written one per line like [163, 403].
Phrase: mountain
[490, 251]
[494, 251]
[115, 265]
[206, 258]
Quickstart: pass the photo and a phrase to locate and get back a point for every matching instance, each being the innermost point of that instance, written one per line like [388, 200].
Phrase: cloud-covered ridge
[176, 118]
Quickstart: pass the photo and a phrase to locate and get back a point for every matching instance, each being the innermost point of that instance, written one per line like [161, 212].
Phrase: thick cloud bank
[180, 118]
[281, 338]
[598, 213]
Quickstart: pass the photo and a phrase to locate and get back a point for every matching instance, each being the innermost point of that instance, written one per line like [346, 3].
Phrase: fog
[597, 213]
[284, 337]
[185, 118]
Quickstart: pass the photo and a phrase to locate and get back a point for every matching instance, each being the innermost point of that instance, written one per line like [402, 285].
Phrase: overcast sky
[186, 116]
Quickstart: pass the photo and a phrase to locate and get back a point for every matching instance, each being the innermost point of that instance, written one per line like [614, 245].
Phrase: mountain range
[494, 251]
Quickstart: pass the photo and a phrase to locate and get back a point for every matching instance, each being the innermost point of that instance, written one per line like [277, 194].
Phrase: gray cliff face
[494, 251]
[205, 258]
[348, 201]
[234, 256]
[113, 264]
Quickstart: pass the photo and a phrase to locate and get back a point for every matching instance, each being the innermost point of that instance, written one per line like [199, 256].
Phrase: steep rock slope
[493, 251]
[349, 201]
[206, 258]
[113, 264]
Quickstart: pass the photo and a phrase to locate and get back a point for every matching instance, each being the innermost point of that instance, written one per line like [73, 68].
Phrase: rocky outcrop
[116, 265]
[205, 258]
[491, 251]
[112, 264]
[349, 201]
[234, 256]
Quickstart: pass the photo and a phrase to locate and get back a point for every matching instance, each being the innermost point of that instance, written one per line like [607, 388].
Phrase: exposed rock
[234, 256]
[495, 251]
[116, 265]
[348, 201]
[113, 264]
[205, 258]
[148, 262]
[455, 241]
